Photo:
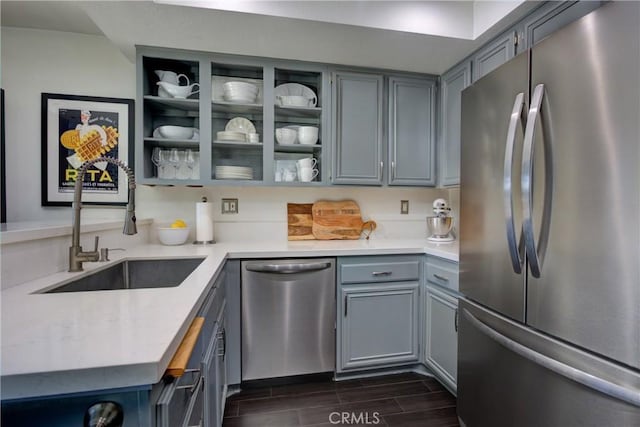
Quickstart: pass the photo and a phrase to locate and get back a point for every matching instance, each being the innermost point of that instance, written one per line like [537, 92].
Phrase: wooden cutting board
[299, 221]
[340, 220]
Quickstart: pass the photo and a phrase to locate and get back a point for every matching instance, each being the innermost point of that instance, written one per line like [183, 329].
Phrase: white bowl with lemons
[173, 234]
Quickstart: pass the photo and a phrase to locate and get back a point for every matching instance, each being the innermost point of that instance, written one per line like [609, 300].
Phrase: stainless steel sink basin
[133, 274]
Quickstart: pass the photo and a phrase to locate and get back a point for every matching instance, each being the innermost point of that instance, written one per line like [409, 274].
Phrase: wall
[36, 61]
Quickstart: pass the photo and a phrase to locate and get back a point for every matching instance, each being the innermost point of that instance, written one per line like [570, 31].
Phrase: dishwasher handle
[292, 268]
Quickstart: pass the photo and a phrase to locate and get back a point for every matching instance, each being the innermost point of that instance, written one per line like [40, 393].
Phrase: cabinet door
[211, 385]
[452, 82]
[379, 325]
[221, 370]
[551, 17]
[494, 54]
[411, 132]
[357, 128]
[441, 348]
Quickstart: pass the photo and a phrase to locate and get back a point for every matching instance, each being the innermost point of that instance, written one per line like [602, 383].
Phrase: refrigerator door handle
[535, 251]
[631, 396]
[515, 250]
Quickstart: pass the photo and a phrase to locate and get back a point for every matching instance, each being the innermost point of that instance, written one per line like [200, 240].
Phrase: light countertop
[83, 341]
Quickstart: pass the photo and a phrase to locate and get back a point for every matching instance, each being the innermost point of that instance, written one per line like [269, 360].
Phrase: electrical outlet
[404, 207]
[229, 206]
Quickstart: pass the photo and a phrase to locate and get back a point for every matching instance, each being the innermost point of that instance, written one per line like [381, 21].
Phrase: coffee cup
[307, 174]
[307, 135]
[289, 175]
[307, 162]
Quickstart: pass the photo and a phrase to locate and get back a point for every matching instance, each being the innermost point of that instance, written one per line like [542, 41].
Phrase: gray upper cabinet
[357, 128]
[452, 84]
[494, 54]
[551, 17]
[411, 131]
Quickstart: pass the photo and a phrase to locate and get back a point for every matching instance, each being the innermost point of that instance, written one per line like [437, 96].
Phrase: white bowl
[173, 236]
[243, 87]
[240, 92]
[307, 135]
[175, 132]
[286, 136]
[293, 101]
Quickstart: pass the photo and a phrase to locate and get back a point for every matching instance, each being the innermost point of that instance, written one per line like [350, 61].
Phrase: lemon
[178, 223]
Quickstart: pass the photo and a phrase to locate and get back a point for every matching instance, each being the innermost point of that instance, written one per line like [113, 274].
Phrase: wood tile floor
[400, 400]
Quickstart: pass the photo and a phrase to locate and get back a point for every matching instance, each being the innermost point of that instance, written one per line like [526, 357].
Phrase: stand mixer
[440, 225]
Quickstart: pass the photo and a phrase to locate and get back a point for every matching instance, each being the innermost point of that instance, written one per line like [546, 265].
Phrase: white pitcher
[171, 77]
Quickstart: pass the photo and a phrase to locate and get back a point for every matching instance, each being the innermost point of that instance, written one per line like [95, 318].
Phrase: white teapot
[171, 77]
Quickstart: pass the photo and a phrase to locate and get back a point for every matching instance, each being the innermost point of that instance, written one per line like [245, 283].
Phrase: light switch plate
[229, 206]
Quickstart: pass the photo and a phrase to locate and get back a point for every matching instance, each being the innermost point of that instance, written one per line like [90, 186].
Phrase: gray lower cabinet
[452, 83]
[357, 129]
[412, 127]
[441, 335]
[214, 372]
[194, 399]
[377, 312]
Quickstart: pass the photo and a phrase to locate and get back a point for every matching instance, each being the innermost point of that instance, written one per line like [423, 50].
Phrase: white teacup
[308, 135]
[307, 162]
[307, 174]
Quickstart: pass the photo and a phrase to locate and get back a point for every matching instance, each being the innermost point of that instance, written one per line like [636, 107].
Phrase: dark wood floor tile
[393, 378]
[251, 393]
[273, 419]
[231, 408]
[280, 403]
[423, 402]
[300, 389]
[382, 391]
[369, 409]
[433, 384]
[442, 417]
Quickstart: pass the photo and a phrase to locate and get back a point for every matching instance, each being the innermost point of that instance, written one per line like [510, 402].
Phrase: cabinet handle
[192, 388]
[346, 302]
[455, 320]
[393, 170]
[381, 169]
[437, 276]
[382, 273]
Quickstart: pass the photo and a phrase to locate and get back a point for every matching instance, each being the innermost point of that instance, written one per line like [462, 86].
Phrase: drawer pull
[192, 387]
[382, 273]
[439, 277]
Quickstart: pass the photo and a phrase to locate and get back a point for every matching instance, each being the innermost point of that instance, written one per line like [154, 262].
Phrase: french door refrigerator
[549, 329]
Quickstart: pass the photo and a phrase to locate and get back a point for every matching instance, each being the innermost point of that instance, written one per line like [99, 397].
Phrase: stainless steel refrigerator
[550, 231]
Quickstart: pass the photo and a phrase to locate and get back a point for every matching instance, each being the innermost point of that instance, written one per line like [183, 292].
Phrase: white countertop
[83, 341]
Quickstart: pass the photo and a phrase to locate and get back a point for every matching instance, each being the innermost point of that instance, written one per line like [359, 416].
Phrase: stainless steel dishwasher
[288, 317]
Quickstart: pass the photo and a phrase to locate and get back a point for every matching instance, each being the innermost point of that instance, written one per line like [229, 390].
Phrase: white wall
[487, 13]
[36, 61]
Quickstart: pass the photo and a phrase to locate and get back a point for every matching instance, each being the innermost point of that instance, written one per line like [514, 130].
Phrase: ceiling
[420, 36]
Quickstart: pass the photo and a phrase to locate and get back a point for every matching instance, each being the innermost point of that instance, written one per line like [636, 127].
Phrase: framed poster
[76, 129]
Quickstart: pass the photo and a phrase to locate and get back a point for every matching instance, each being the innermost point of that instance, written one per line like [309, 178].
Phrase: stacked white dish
[234, 172]
[242, 92]
[231, 136]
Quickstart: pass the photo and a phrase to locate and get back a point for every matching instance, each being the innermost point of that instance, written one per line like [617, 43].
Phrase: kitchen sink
[133, 274]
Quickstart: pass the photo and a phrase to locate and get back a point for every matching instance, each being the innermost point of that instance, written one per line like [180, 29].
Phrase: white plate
[294, 89]
[231, 136]
[240, 124]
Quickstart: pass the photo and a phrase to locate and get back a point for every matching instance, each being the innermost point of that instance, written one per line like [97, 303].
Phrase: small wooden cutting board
[299, 221]
[340, 220]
